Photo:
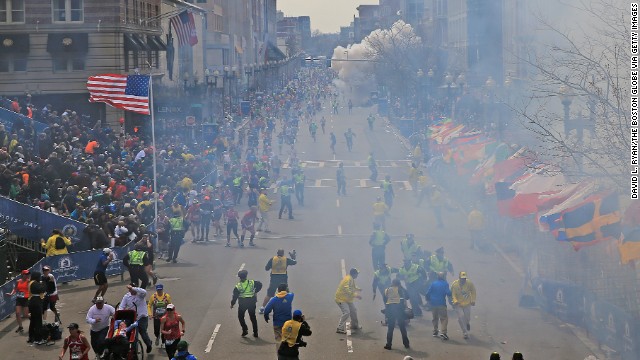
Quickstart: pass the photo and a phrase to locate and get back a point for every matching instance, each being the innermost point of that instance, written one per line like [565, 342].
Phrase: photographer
[292, 333]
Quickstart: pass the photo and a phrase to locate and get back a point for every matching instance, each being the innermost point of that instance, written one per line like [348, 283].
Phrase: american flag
[185, 28]
[127, 92]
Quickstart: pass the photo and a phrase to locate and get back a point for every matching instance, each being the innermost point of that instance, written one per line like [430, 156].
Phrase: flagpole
[155, 151]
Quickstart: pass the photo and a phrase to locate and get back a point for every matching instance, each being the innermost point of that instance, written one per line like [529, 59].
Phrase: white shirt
[103, 315]
[141, 154]
[135, 302]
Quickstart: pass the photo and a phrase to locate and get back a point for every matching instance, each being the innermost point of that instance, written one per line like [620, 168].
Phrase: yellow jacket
[166, 298]
[475, 221]
[380, 208]
[463, 295]
[50, 245]
[347, 290]
[264, 204]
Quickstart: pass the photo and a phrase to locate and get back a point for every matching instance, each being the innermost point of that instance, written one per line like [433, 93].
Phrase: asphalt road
[330, 233]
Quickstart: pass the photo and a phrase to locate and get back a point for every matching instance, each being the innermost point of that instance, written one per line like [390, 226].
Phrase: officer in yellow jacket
[345, 294]
[463, 294]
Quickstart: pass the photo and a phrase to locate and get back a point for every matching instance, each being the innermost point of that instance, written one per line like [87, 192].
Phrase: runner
[248, 224]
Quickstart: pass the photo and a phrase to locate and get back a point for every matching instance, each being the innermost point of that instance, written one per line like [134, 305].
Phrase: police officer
[373, 167]
[299, 178]
[245, 294]
[285, 198]
[438, 263]
[135, 261]
[278, 266]
[341, 179]
[394, 310]
[387, 188]
[176, 235]
[237, 189]
[413, 276]
[378, 241]
[409, 248]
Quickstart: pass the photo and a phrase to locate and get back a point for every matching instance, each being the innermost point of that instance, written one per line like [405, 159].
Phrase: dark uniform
[245, 294]
[285, 199]
[135, 261]
[394, 310]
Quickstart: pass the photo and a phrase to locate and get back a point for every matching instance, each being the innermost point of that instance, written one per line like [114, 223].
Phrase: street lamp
[489, 85]
[420, 74]
[565, 98]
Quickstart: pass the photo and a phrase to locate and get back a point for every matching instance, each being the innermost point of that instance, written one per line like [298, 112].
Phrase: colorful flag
[551, 220]
[185, 27]
[629, 246]
[597, 219]
[127, 92]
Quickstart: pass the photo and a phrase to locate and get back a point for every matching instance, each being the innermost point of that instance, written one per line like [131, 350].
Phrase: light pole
[505, 113]
[490, 85]
[565, 99]
[430, 75]
[448, 79]
[420, 92]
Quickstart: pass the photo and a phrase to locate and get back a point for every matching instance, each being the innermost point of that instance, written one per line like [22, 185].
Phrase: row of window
[12, 11]
[67, 62]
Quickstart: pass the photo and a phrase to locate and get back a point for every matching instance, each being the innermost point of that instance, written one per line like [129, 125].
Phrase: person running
[232, 224]
[349, 135]
[437, 294]
[298, 185]
[313, 129]
[245, 293]
[414, 277]
[176, 234]
[323, 123]
[410, 250]
[373, 167]
[350, 104]
[387, 188]
[100, 274]
[345, 294]
[157, 307]
[98, 317]
[249, 224]
[370, 120]
[77, 344]
[194, 217]
[135, 261]
[21, 291]
[463, 294]
[285, 198]
[332, 145]
[292, 332]
[380, 211]
[264, 205]
[281, 305]
[183, 352]
[51, 294]
[278, 266]
[218, 211]
[170, 327]
[134, 299]
[341, 180]
[395, 304]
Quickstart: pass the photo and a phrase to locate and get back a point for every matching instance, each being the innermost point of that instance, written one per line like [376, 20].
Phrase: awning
[69, 43]
[140, 40]
[14, 43]
[134, 43]
[156, 43]
[273, 53]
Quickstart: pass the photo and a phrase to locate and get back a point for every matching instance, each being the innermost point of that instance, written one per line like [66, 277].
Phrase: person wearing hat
[136, 260]
[494, 356]
[414, 277]
[157, 306]
[51, 294]
[278, 266]
[292, 332]
[98, 317]
[171, 333]
[438, 263]
[281, 305]
[100, 274]
[21, 291]
[437, 295]
[177, 229]
[245, 294]
[264, 205]
[345, 294]
[285, 198]
[183, 352]
[77, 344]
[135, 299]
[463, 293]
[56, 244]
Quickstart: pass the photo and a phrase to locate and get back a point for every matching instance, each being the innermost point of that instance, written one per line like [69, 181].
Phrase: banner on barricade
[34, 224]
[564, 300]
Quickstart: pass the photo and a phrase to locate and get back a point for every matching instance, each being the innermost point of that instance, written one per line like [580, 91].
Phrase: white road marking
[241, 267]
[212, 338]
[407, 185]
[363, 182]
[318, 182]
[337, 202]
[339, 229]
[343, 267]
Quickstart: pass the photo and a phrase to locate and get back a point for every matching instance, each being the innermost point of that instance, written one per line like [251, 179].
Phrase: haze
[326, 16]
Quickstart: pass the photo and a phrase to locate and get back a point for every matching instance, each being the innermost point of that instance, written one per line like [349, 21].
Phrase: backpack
[60, 244]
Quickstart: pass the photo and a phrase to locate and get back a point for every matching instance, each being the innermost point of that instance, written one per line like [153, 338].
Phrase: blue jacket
[184, 355]
[281, 304]
[438, 292]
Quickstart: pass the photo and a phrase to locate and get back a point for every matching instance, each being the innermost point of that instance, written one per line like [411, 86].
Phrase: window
[68, 11]
[67, 63]
[13, 63]
[11, 11]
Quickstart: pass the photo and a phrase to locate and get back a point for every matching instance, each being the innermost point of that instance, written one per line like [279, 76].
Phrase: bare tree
[584, 69]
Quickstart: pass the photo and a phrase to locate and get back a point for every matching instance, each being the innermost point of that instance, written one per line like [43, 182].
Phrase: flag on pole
[127, 92]
[185, 27]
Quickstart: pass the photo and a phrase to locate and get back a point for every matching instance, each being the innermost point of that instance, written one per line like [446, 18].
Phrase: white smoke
[355, 64]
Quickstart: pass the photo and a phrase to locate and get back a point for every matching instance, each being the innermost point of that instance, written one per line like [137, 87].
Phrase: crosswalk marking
[309, 164]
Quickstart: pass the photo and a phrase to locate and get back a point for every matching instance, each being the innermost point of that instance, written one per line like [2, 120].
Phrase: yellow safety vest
[378, 240]
[393, 295]
[408, 251]
[299, 178]
[237, 181]
[383, 279]
[410, 275]
[284, 190]
[386, 185]
[436, 265]
[135, 257]
[246, 288]
[176, 223]
[290, 330]
[279, 265]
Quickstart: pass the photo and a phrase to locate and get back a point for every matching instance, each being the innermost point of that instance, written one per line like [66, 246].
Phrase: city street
[330, 235]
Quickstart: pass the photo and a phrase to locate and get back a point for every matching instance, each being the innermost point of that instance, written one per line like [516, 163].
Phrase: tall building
[367, 21]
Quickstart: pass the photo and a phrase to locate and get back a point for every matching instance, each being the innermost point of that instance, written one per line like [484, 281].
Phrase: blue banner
[34, 224]
[66, 268]
[8, 117]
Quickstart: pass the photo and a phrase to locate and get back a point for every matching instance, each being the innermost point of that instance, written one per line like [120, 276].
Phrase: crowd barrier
[66, 268]
[8, 118]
